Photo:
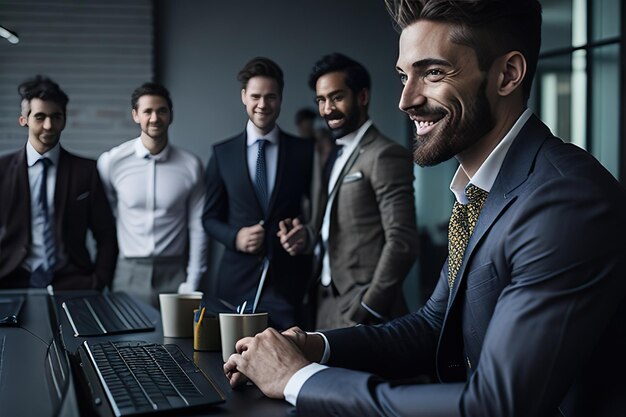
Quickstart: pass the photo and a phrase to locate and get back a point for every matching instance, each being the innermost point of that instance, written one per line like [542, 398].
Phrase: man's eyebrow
[40, 113]
[427, 62]
[333, 93]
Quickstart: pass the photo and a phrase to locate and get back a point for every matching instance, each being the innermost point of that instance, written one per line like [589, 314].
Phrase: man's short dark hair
[491, 28]
[261, 67]
[357, 77]
[43, 88]
[305, 114]
[150, 89]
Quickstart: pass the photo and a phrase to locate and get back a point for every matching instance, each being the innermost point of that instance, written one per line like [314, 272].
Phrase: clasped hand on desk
[270, 359]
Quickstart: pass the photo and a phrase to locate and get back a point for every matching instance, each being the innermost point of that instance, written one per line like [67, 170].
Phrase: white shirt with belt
[158, 202]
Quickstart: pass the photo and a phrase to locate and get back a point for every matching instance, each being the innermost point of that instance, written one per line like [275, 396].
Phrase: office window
[579, 79]
[97, 50]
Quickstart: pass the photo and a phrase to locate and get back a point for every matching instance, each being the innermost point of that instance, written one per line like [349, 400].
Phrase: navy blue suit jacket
[232, 204]
[534, 325]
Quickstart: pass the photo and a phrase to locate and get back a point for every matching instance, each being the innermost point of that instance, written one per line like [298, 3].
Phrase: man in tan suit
[363, 224]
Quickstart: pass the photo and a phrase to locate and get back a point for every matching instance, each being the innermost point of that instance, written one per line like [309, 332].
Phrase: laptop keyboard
[141, 377]
[100, 314]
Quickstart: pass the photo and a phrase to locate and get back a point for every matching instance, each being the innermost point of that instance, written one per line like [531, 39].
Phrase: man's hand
[292, 235]
[269, 360]
[250, 239]
[311, 344]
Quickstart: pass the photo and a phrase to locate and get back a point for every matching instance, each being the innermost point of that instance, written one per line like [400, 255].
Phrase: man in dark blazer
[363, 220]
[246, 221]
[530, 321]
[30, 256]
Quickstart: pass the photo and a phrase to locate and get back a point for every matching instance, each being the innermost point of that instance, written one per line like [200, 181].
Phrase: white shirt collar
[253, 134]
[488, 171]
[350, 139]
[143, 153]
[32, 156]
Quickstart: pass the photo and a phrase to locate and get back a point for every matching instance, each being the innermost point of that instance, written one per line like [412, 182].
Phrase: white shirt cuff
[326, 354]
[295, 383]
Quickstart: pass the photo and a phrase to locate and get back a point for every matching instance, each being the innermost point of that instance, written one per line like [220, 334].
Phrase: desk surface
[247, 401]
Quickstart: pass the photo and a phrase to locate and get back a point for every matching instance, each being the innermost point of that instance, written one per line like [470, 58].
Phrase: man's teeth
[425, 124]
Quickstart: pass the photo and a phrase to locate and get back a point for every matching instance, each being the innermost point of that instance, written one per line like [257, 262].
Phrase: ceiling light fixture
[9, 35]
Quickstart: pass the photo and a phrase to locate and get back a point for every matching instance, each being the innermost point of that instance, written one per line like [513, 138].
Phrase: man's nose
[412, 95]
[329, 106]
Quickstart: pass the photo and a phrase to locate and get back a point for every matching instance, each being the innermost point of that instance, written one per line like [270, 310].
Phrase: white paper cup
[237, 326]
[177, 313]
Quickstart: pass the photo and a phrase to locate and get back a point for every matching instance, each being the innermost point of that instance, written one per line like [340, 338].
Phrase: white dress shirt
[158, 202]
[36, 255]
[484, 178]
[271, 154]
[350, 142]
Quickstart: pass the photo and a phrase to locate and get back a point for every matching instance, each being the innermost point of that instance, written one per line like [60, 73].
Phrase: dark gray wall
[201, 45]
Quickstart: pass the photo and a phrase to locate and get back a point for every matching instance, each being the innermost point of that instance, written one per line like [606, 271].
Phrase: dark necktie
[461, 227]
[42, 276]
[335, 153]
[261, 175]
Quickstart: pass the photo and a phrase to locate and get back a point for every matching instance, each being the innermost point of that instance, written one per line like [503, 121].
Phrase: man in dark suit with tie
[363, 220]
[527, 318]
[254, 180]
[50, 198]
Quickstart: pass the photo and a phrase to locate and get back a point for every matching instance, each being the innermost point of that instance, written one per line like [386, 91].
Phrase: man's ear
[23, 121]
[363, 97]
[135, 115]
[511, 72]
[243, 96]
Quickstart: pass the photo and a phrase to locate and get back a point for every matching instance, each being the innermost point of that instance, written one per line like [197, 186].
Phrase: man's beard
[442, 145]
[350, 123]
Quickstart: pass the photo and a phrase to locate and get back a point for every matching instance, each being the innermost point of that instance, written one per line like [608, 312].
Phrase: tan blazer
[373, 238]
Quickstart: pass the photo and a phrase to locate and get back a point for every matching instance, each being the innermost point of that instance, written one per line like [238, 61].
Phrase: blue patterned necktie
[462, 224]
[261, 175]
[43, 275]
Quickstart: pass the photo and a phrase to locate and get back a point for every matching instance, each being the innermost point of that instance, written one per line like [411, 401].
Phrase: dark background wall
[201, 45]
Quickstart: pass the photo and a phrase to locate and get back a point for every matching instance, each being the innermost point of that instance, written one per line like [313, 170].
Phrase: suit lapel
[515, 169]
[61, 190]
[368, 138]
[283, 143]
[21, 187]
[242, 168]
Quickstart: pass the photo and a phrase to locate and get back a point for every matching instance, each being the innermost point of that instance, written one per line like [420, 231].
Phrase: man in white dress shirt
[157, 194]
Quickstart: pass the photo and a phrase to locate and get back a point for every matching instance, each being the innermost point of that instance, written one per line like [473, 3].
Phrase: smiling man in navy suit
[50, 199]
[254, 180]
[527, 318]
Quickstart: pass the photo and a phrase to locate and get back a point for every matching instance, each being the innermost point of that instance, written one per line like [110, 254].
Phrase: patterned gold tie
[462, 224]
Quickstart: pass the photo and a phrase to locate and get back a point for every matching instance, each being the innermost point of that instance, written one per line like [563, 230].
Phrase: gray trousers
[145, 278]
